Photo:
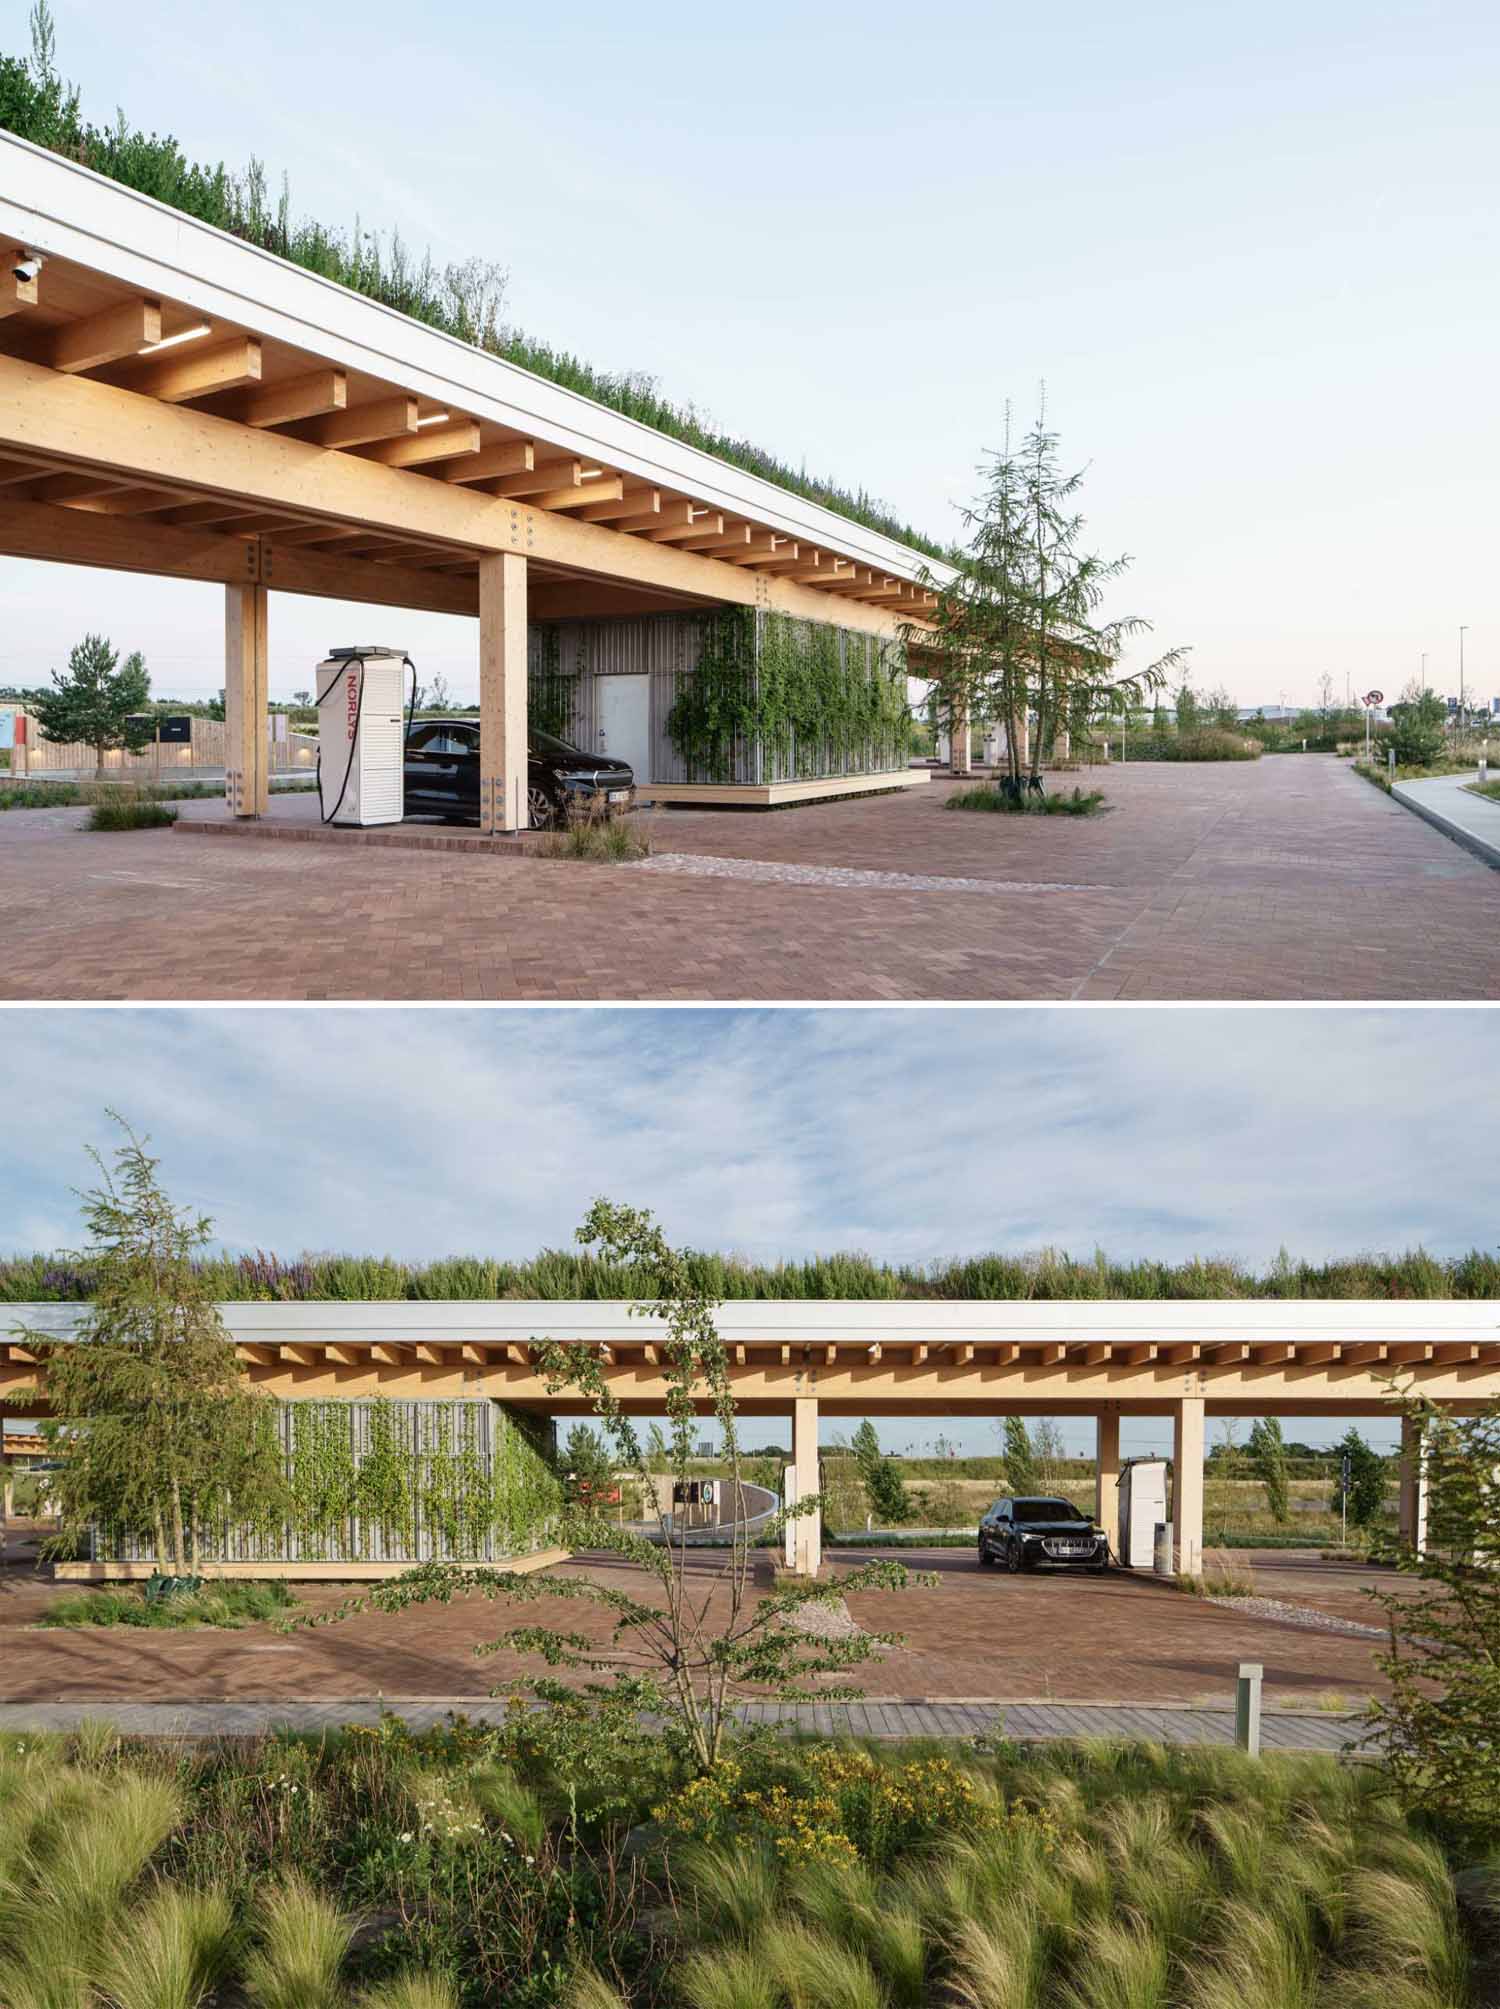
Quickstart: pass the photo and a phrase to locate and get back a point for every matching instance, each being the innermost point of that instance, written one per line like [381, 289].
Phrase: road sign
[1374, 697]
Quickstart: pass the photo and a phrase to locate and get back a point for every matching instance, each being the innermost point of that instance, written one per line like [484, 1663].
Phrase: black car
[442, 775]
[1039, 1532]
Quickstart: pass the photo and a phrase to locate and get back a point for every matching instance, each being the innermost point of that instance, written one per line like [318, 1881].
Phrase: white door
[623, 712]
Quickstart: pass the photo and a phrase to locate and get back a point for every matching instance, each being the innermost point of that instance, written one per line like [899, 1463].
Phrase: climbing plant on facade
[810, 698]
[551, 692]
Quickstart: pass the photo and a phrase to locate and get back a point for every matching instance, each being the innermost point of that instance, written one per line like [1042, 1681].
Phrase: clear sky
[1252, 252]
[913, 1135]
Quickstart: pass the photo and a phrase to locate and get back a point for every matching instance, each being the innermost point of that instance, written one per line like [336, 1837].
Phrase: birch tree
[158, 1436]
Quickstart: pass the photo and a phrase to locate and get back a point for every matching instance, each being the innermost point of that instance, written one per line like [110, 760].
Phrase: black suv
[1042, 1533]
[442, 775]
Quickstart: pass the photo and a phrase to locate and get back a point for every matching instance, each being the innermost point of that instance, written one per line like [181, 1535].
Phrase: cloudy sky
[1250, 251]
[913, 1135]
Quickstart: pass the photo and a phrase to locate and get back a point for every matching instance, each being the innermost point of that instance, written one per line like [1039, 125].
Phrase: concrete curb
[1460, 832]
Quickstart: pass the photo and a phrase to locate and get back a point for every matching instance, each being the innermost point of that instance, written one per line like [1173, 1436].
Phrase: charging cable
[327, 816]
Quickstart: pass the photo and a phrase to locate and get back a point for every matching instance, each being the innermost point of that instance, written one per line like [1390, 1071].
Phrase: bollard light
[1247, 1707]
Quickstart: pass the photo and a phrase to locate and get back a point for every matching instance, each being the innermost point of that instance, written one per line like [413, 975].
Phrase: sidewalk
[1445, 802]
[1026, 1722]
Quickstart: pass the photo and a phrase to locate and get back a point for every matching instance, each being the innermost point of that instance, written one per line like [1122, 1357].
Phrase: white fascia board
[55, 206]
[851, 1321]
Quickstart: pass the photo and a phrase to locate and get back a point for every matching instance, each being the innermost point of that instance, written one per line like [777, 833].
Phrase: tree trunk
[179, 1561]
[98, 763]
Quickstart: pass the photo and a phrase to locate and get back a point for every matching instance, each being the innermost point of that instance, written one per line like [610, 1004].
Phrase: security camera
[28, 265]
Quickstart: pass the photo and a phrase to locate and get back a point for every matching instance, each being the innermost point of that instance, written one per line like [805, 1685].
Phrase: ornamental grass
[1001, 802]
[388, 1869]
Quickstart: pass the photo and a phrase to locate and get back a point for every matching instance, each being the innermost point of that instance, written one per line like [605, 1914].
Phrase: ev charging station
[1143, 1510]
[362, 724]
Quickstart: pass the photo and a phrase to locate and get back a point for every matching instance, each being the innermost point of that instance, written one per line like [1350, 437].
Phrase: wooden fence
[292, 753]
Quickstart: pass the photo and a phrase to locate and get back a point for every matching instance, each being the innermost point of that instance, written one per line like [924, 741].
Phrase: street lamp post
[1463, 630]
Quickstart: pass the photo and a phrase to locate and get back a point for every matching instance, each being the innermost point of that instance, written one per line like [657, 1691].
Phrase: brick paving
[1035, 1723]
[981, 1638]
[1287, 878]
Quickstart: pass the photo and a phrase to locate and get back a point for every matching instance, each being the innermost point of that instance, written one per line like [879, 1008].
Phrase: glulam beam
[103, 338]
[302, 398]
[191, 373]
[490, 463]
[642, 503]
[423, 444]
[16, 294]
[359, 425]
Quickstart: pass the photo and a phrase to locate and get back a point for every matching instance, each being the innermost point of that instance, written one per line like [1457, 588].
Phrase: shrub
[604, 840]
[1417, 730]
[228, 1604]
[1438, 1728]
[1002, 802]
[129, 812]
[1214, 743]
[838, 1804]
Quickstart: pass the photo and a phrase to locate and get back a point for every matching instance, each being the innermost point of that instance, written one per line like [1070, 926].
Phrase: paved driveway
[981, 1636]
[1286, 878]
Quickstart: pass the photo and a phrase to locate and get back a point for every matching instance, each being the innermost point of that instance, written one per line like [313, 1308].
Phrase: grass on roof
[464, 300]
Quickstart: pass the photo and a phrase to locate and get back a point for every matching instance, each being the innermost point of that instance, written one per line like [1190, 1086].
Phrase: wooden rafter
[679, 532]
[763, 546]
[306, 397]
[103, 338]
[16, 294]
[490, 463]
[541, 476]
[416, 448]
[642, 503]
[360, 425]
[576, 495]
[185, 374]
[736, 538]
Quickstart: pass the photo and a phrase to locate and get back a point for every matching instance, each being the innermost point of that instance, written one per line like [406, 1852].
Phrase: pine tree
[98, 702]
[1016, 635]
[159, 1437]
[587, 1463]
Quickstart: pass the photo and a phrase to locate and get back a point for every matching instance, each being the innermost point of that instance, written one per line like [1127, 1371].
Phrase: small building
[732, 697]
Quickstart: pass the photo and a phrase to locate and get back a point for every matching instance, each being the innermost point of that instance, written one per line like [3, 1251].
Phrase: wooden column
[1187, 1485]
[247, 780]
[502, 692]
[960, 751]
[1413, 1507]
[809, 1527]
[1107, 1477]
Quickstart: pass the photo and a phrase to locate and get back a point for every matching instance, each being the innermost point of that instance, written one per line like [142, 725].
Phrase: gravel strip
[768, 872]
[1304, 1615]
[824, 1621]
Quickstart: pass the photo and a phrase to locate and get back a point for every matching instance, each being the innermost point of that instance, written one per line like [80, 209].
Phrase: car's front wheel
[984, 1553]
[540, 812]
[1013, 1559]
